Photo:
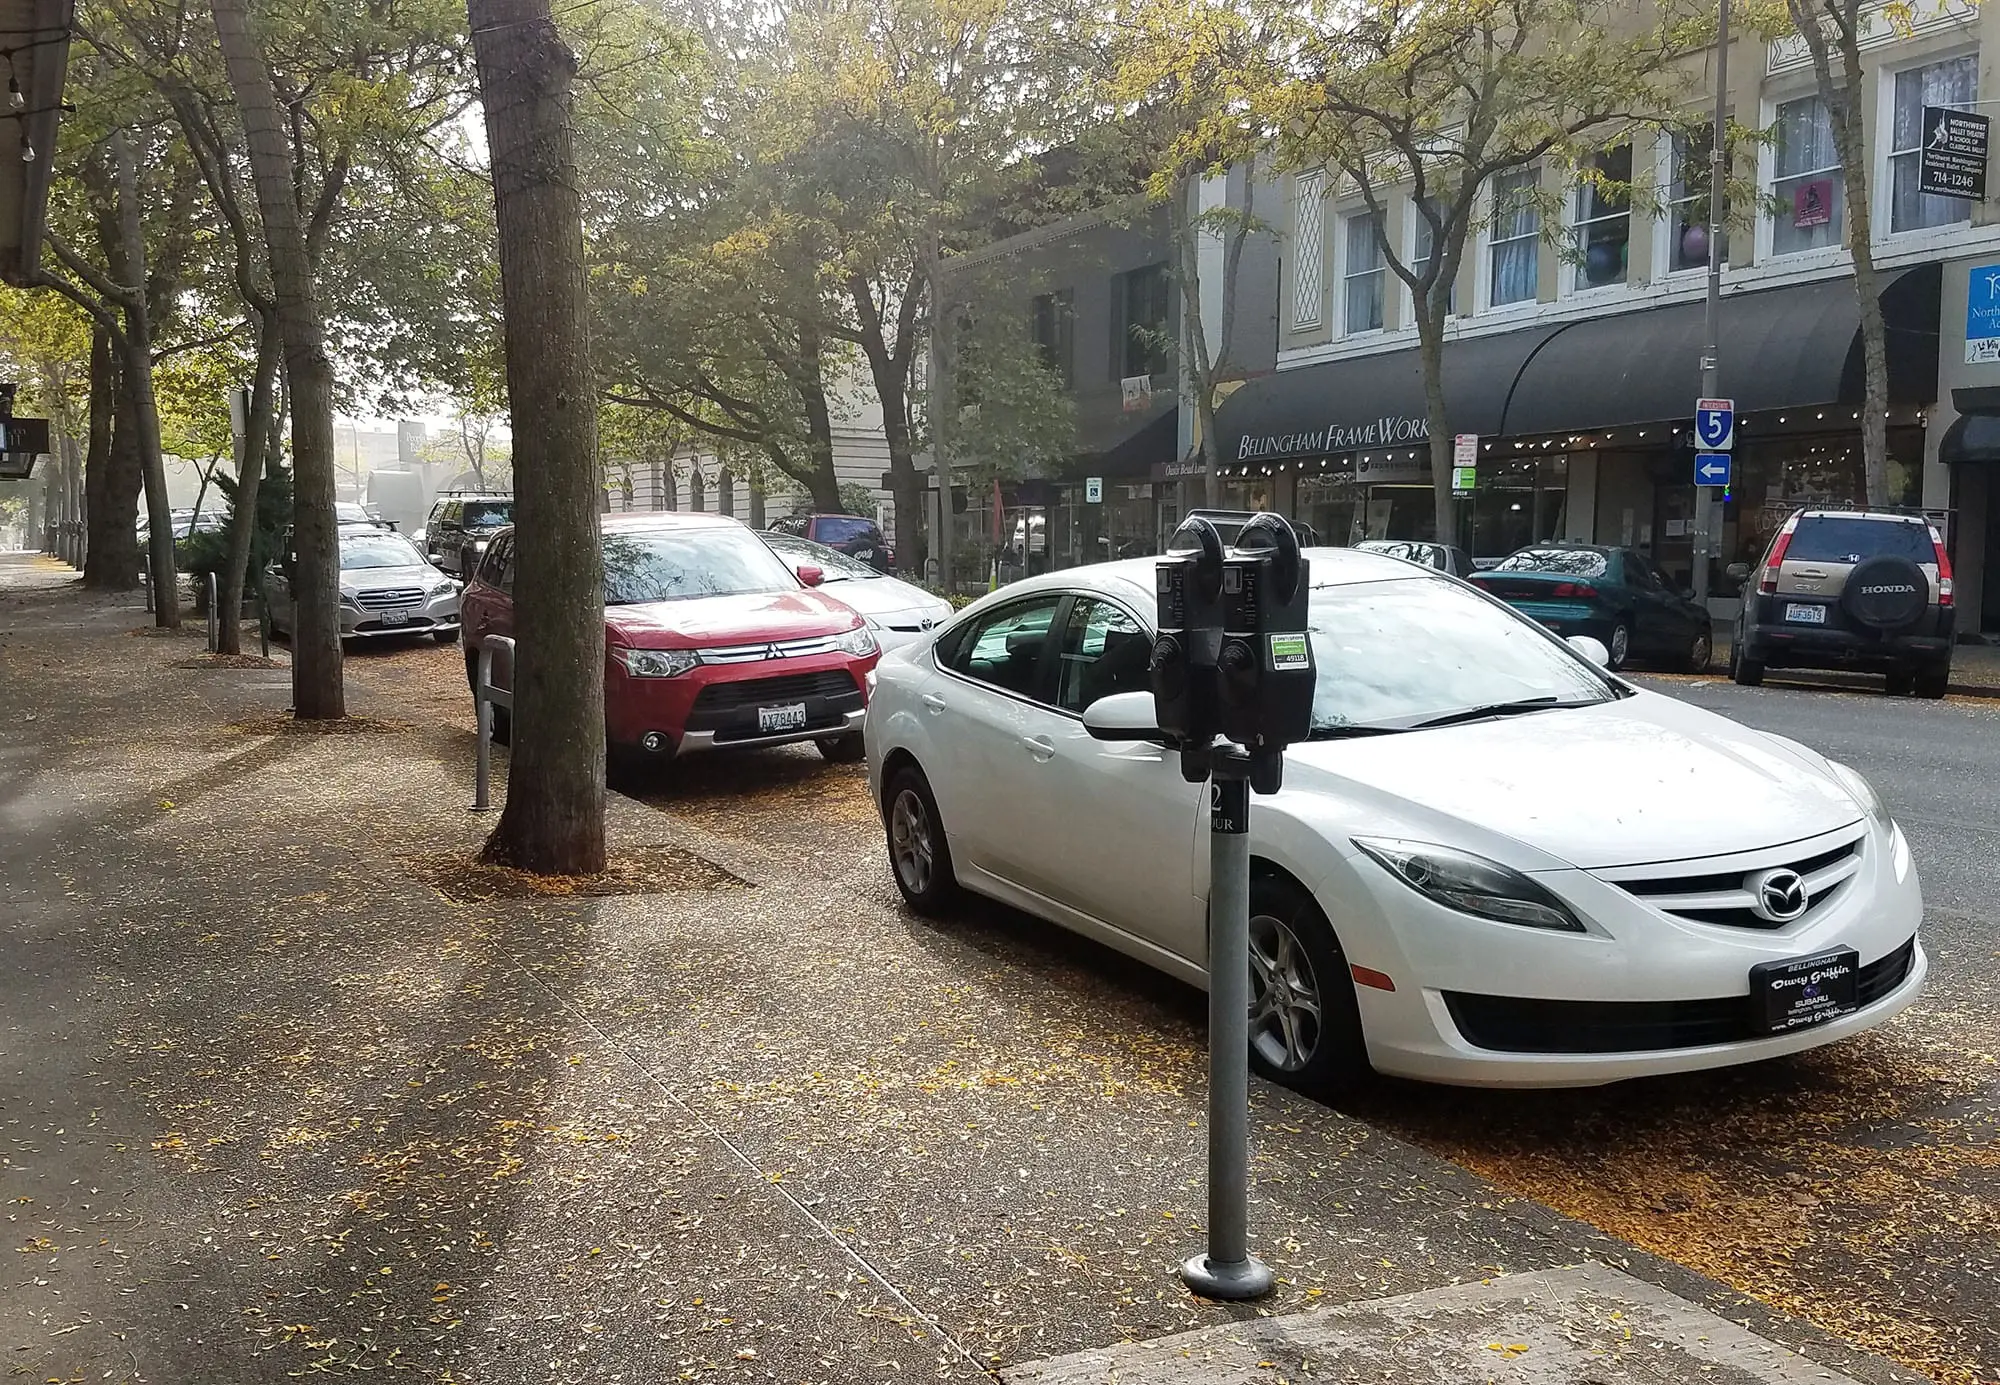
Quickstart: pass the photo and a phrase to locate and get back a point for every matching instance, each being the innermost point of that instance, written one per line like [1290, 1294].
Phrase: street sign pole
[1711, 385]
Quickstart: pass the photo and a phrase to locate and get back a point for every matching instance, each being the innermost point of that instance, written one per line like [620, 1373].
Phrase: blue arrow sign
[1715, 424]
[1711, 468]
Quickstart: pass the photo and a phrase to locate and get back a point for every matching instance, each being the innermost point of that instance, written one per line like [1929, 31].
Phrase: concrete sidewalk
[285, 1086]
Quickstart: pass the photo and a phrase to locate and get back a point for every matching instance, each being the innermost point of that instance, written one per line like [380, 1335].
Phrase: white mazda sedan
[1493, 864]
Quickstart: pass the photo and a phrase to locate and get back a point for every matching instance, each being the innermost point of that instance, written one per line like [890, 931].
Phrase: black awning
[1154, 442]
[1372, 401]
[1971, 438]
[1780, 348]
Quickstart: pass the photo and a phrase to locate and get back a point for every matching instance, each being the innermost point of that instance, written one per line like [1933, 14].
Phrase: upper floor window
[1953, 82]
[1308, 247]
[1808, 187]
[1054, 330]
[1145, 346]
[1363, 275]
[1425, 245]
[1604, 218]
[1515, 239]
[1688, 200]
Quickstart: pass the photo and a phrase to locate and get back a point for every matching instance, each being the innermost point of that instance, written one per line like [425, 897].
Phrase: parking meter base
[1227, 1281]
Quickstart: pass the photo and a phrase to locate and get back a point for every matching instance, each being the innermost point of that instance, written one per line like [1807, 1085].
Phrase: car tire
[1290, 938]
[1744, 670]
[1701, 652]
[849, 749]
[1900, 683]
[1933, 682]
[919, 853]
[445, 636]
[1619, 646]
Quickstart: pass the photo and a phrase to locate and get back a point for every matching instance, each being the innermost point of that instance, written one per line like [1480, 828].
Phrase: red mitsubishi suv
[710, 641]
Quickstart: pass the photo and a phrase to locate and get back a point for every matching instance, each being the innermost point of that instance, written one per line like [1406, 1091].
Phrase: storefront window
[1809, 188]
[1518, 503]
[1953, 82]
[1775, 476]
[1329, 504]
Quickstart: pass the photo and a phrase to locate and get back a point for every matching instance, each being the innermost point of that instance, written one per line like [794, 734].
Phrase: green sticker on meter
[1290, 651]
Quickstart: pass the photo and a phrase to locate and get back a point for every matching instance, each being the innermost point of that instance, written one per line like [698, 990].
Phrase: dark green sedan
[1614, 595]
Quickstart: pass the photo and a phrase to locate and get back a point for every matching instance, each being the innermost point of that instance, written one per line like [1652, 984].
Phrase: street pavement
[286, 1088]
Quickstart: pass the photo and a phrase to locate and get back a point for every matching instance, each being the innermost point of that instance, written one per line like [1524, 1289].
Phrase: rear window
[1829, 539]
[488, 514]
[1570, 562]
[841, 528]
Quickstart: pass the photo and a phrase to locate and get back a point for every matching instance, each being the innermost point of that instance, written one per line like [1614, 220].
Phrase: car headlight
[871, 622]
[1471, 884]
[347, 598]
[443, 587]
[657, 663]
[1863, 793]
[860, 641]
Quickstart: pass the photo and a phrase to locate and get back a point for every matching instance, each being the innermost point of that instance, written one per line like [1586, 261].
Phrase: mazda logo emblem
[1780, 895]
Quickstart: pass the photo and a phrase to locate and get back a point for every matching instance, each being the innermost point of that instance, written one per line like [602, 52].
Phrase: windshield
[1403, 651]
[1570, 562]
[672, 566]
[841, 528]
[376, 550]
[488, 514]
[1820, 539]
[837, 566]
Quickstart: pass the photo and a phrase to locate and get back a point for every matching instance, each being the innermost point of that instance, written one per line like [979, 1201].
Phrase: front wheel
[849, 749]
[1620, 644]
[1701, 649]
[918, 851]
[1305, 1025]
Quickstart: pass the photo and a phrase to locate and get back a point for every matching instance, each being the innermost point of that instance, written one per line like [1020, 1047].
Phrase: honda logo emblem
[1779, 895]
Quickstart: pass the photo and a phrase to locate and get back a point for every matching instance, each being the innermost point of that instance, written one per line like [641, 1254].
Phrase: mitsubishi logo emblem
[771, 651]
[1780, 895]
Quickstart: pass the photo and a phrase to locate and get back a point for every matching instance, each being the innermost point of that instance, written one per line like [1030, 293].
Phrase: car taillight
[1579, 590]
[1944, 569]
[1768, 583]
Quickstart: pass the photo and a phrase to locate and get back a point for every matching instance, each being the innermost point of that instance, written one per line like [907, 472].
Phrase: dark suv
[1849, 589]
[460, 527]
[853, 535]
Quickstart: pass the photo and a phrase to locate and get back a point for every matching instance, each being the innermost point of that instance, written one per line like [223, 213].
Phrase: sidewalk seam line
[936, 1329]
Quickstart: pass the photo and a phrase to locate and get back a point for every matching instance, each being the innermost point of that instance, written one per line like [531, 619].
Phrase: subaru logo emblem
[1780, 895]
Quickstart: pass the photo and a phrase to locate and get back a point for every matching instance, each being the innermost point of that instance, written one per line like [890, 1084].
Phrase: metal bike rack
[485, 697]
[214, 617]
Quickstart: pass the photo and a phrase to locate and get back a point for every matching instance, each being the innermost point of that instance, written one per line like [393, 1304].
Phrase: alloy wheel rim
[1704, 650]
[1285, 1012]
[910, 841]
[1621, 643]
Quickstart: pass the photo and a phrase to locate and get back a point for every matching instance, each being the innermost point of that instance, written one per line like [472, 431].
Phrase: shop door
[1989, 605]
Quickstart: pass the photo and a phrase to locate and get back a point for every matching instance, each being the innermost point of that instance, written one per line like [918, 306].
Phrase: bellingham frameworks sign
[1391, 430]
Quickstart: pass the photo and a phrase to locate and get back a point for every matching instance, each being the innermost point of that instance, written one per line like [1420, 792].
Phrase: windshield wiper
[1515, 708]
[1348, 733]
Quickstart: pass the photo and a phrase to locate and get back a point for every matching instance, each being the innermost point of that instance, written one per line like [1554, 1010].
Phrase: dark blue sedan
[1614, 595]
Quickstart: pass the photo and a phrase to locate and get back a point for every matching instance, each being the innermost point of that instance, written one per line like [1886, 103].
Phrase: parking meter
[1265, 664]
[1186, 651]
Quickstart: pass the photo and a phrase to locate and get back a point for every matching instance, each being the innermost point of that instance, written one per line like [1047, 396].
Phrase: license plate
[1805, 613]
[789, 717]
[395, 617]
[1805, 991]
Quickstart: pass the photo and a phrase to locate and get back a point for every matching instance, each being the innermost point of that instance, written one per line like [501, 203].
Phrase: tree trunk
[553, 823]
[824, 485]
[317, 691]
[1197, 367]
[889, 370]
[110, 497]
[236, 575]
[1430, 350]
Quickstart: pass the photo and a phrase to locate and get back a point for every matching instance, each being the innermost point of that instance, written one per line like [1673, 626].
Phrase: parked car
[461, 525]
[353, 514]
[386, 588]
[711, 641]
[1849, 589]
[1614, 595]
[1440, 556]
[897, 611]
[1493, 863]
[854, 535]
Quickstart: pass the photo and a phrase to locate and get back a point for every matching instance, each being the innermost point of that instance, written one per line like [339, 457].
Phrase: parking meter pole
[1227, 1270]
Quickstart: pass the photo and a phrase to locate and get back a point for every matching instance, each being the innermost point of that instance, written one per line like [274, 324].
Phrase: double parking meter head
[1233, 658]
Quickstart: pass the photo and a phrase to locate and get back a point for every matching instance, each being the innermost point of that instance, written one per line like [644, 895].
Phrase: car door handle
[1041, 747]
[934, 702]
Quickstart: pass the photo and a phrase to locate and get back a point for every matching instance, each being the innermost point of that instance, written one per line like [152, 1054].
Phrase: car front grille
[390, 598]
[1514, 1024]
[771, 649]
[831, 683]
[1728, 898]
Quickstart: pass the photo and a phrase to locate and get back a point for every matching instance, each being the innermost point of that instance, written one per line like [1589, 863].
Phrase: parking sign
[1715, 424]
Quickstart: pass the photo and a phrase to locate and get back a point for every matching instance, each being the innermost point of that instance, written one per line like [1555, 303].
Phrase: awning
[1971, 438]
[1372, 401]
[1154, 442]
[1780, 348]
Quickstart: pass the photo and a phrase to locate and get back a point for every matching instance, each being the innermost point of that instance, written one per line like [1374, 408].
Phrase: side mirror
[1123, 717]
[1687, 593]
[1737, 572]
[810, 575]
[1591, 649]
